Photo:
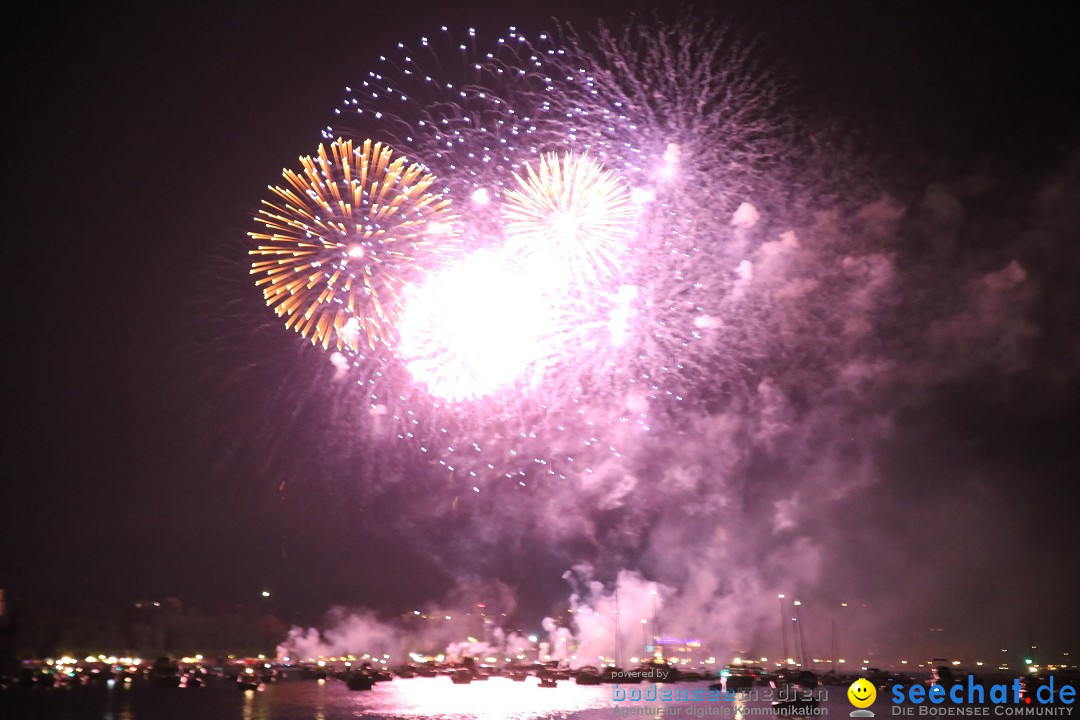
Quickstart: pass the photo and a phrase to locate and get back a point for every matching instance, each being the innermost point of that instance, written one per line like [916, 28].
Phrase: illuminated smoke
[722, 415]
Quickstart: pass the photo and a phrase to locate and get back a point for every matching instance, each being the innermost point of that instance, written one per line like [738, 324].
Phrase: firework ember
[599, 203]
[571, 216]
[343, 238]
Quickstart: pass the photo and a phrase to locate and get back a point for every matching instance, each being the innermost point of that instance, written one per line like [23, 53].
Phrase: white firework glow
[597, 199]
[476, 328]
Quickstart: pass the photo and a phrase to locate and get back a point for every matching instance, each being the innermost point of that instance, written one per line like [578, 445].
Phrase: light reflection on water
[415, 699]
[487, 700]
[117, 707]
[249, 707]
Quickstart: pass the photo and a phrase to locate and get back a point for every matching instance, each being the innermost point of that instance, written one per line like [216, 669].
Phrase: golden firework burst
[572, 215]
[343, 237]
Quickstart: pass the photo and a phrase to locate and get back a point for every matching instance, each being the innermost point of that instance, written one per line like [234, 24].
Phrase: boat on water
[587, 676]
[803, 700]
[619, 676]
[248, 680]
[461, 676]
[195, 677]
[312, 673]
[359, 680]
[165, 673]
[658, 672]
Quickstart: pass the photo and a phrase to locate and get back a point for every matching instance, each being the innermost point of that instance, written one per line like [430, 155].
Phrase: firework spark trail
[502, 317]
[688, 97]
[343, 239]
[629, 331]
[473, 112]
[690, 116]
[571, 217]
[444, 105]
[715, 407]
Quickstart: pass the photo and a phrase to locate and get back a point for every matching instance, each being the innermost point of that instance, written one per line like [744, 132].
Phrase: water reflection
[257, 705]
[320, 700]
[494, 698]
[415, 699]
[249, 703]
[118, 704]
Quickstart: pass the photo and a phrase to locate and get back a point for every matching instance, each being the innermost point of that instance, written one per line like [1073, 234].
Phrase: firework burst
[686, 101]
[570, 216]
[597, 261]
[343, 238]
[475, 329]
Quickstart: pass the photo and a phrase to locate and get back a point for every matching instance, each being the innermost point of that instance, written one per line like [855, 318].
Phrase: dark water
[417, 698]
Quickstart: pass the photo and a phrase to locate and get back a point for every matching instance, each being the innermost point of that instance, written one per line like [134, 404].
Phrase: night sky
[166, 437]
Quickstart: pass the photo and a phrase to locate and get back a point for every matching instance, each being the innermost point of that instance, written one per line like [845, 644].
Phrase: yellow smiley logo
[862, 693]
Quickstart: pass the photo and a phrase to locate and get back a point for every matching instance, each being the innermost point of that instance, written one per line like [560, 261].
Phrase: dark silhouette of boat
[312, 673]
[36, 677]
[800, 700]
[359, 680]
[165, 673]
[658, 672]
[619, 676]
[195, 677]
[248, 679]
[587, 675]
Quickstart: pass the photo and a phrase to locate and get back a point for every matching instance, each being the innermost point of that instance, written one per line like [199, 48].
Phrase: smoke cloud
[828, 463]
